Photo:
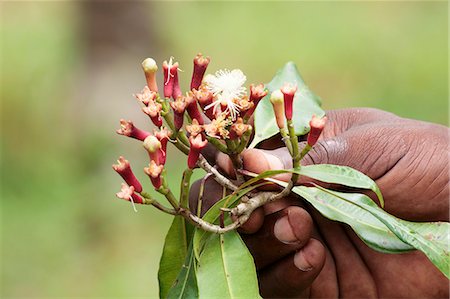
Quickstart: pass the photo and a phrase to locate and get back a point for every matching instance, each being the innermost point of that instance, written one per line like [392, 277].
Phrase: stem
[217, 175]
[231, 146]
[151, 201]
[200, 194]
[244, 141]
[169, 195]
[285, 137]
[237, 165]
[185, 185]
[305, 150]
[219, 145]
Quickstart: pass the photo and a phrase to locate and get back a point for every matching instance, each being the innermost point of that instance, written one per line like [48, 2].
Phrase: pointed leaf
[369, 229]
[429, 237]
[342, 175]
[226, 269]
[305, 105]
[186, 282]
[174, 253]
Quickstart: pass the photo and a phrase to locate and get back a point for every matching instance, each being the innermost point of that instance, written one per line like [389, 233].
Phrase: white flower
[227, 89]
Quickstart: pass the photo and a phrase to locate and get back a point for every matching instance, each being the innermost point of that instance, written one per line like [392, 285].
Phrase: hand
[299, 253]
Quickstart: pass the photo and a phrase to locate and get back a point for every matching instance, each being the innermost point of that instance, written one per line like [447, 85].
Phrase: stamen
[132, 203]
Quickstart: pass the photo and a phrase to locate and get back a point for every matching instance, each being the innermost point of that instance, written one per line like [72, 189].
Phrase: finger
[254, 223]
[292, 276]
[212, 193]
[281, 234]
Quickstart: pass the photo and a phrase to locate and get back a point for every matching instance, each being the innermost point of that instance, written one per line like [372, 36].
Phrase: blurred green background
[68, 70]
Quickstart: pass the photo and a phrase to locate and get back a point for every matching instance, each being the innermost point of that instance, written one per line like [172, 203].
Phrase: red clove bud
[149, 66]
[127, 128]
[316, 124]
[194, 128]
[123, 168]
[197, 144]
[200, 65]
[257, 92]
[127, 193]
[238, 128]
[204, 98]
[145, 96]
[153, 110]
[168, 78]
[288, 91]
[154, 172]
[192, 107]
[178, 106]
[176, 92]
[163, 136]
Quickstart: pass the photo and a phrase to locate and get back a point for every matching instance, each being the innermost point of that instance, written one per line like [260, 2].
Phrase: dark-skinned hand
[300, 254]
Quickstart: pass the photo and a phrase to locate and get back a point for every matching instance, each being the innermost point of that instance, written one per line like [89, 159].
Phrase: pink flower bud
[256, 94]
[153, 146]
[127, 128]
[277, 100]
[238, 129]
[178, 106]
[123, 168]
[197, 144]
[153, 110]
[204, 98]
[154, 172]
[146, 96]
[316, 124]
[163, 136]
[194, 128]
[168, 79]
[200, 65]
[192, 108]
[127, 193]
[288, 91]
[176, 85]
[149, 66]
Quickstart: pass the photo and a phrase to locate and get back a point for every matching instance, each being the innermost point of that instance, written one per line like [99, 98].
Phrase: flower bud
[192, 107]
[123, 168]
[127, 193]
[200, 65]
[256, 94]
[197, 144]
[316, 124]
[288, 91]
[168, 79]
[153, 110]
[154, 172]
[244, 105]
[238, 129]
[153, 145]
[149, 66]
[176, 85]
[163, 136]
[178, 106]
[194, 128]
[204, 98]
[277, 100]
[146, 96]
[127, 128]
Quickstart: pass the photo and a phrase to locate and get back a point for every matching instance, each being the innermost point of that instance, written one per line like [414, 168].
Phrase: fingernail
[301, 262]
[283, 231]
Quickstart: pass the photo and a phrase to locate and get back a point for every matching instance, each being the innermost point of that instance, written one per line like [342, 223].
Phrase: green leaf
[305, 105]
[186, 281]
[342, 175]
[174, 253]
[429, 237]
[226, 269]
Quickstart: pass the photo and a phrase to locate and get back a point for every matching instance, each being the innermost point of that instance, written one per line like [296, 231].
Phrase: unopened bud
[197, 144]
[146, 96]
[238, 128]
[149, 66]
[123, 168]
[316, 127]
[194, 128]
[277, 100]
[153, 110]
[176, 84]
[154, 172]
[178, 106]
[204, 97]
[168, 80]
[288, 91]
[192, 107]
[153, 145]
[127, 128]
[257, 92]
[200, 65]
